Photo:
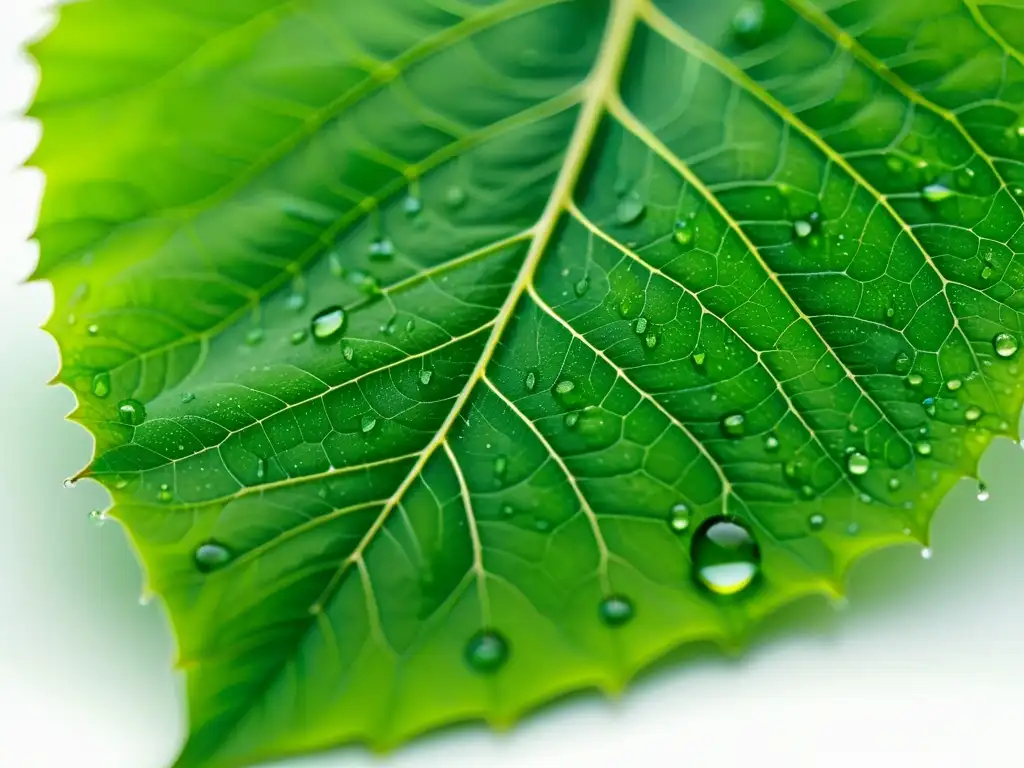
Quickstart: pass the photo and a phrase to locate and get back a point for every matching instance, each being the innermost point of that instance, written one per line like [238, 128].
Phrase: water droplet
[565, 386]
[581, 286]
[382, 249]
[296, 301]
[802, 228]
[507, 510]
[348, 353]
[261, 468]
[455, 197]
[853, 529]
[425, 375]
[929, 405]
[629, 209]
[771, 442]
[894, 163]
[101, 384]
[541, 525]
[187, 397]
[651, 340]
[858, 463]
[679, 517]
[923, 448]
[367, 423]
[953, 385]
[254, 336]
[748, 21]
[487, 651]
[699, 357]
[936, 193]
[725, 555]
[410, 325]
[615, 610]
[412, 206]
[816, 521]
[211, 556]
[500, 467]
[366, 284]
[1005, 344]
[641, 325]
[734, 424]
[97, 517]
[328, 324]
[986, 273]
[926, 553]
[131, 412]
[894, 483]
[531, 381]
[915, 380]
[983, 493]
[965, 178]
[93, 330]
[571, 419]
[299, 336]
[902, 362]
[683, 233]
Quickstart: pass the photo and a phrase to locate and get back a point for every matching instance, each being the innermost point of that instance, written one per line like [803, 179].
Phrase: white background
[925, 667]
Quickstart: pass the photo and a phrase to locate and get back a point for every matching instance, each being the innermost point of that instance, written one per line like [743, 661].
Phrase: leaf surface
[446, 356]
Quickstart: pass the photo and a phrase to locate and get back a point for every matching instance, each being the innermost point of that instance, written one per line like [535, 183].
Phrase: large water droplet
[328, 324]
[679, 517]
[954, 384]
[725, 556]
[487, 651]
[615, 610]
[734, 424]
[131, 412]
[858, 463]
[367, 423]
[1005, 344]
[802, 228]
[101, 384]
[211, 556]
[629, 209]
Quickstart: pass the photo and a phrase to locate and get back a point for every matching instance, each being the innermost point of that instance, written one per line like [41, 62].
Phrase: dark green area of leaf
[446, 356]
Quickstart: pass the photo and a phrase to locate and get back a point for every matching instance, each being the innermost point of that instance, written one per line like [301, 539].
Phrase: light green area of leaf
[426, 343]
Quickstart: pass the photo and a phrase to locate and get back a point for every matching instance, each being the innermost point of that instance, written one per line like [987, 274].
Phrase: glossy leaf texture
[447, 356]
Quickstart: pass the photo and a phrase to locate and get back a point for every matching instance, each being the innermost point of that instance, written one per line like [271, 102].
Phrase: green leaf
[446, 356]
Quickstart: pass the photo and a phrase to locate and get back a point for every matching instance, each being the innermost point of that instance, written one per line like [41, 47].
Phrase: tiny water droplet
[953, 385]
[500, 466]
[299, 336]
[749, 20]
[187, 397]
[651, 340]
[923, 448]
[531, 381]
[93, 330]
[328, 324]
[936, 193]
[734, 424]
[296, 301]
[507, 510]
[926, 553]
[410, 325]
[412, 205]
[581, 286]
[771, 442]
[858, 463]
[571, 419]
[894, 483]
[679, 517]
[902, 362]
[261, 468]
[425, 375]
[97, 517]
[455, 197]
[164, 494]
[894, 163]
[915, 380]
[101, 384]
[131, 412]
[367, 423]
[487, 651]
[641, 325]
[565, 386]
[211, 556]
[683, 232]
[816, 521]
[853, 529]
[699, 357]
[382, 249]
[615, 610]
[629, 209]
[254, 336]
[802, 229]
[541, 525]
[1005, 344]
[725, 556]
[348, 353]
[983, 494]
